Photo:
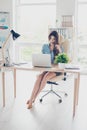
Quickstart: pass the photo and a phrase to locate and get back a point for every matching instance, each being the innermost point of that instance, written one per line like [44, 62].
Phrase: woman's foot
[29, 106]
[29, 101]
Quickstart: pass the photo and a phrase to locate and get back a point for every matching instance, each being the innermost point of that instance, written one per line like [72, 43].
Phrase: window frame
[36, 3]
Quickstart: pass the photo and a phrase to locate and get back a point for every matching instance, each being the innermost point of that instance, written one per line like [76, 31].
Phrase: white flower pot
[61, 65]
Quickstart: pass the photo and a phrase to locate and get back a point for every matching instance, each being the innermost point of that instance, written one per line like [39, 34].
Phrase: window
[33, 18]
[26, 52]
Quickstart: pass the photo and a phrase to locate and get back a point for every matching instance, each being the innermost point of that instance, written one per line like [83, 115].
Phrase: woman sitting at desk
[53, 48]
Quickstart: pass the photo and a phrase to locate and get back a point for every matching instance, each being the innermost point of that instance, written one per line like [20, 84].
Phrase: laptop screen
[41, 60]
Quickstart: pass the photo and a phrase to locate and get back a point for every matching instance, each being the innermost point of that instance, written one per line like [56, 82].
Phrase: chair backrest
[65, 43]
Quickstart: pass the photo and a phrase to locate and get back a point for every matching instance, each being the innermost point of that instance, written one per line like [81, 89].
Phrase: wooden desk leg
[78, 83]
[3, 87]
[14, 83]
[75, 96]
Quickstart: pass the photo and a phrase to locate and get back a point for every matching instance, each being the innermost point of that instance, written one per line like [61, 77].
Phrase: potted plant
[61, 59]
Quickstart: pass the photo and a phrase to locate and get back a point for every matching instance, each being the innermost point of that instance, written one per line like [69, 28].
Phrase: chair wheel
[60, 100]
[41, 100]
[66, 94]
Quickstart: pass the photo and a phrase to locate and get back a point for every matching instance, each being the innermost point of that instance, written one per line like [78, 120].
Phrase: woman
[53, 48]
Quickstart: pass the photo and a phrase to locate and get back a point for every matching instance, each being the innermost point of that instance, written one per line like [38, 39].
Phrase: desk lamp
[14, 37]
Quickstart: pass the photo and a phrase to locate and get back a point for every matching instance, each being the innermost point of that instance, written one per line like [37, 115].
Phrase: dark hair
[55, 34]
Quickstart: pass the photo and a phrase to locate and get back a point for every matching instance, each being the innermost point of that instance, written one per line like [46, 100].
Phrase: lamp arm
[6, 41]
[3, 58]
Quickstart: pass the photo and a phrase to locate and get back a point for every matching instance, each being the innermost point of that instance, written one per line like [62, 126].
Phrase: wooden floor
[49, 115]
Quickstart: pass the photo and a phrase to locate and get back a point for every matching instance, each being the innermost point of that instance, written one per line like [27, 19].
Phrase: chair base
[52, 91]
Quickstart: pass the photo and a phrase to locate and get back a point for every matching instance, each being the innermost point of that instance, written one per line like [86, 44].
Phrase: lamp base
[8, 65]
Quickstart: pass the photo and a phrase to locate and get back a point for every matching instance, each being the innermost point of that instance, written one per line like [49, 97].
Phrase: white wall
[65, 7]
[5, 5]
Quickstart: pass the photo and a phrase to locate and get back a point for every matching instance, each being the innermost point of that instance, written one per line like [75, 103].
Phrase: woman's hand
[58, 48]
[51, 46]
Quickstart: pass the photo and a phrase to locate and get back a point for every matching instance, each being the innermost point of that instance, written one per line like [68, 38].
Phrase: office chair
[52, 82]
[65, 44]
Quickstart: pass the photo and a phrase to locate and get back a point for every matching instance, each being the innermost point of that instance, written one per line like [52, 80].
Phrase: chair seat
[57, 78]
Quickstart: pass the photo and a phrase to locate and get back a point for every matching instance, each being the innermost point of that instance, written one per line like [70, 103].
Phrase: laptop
[41, 60]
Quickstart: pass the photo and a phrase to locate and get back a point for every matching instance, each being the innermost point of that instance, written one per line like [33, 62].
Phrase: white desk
[53, 69]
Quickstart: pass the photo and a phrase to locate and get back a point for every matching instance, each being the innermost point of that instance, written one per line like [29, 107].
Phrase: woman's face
[52, 40]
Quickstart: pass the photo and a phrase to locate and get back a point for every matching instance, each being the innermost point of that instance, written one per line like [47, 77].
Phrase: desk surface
[54, 68]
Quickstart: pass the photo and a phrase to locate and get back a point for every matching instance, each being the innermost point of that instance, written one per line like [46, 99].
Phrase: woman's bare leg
[35, 89]
[39, 86]
[47, 77]
[38, 89]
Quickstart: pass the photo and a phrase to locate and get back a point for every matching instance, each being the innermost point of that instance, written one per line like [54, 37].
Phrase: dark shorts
[58, 73]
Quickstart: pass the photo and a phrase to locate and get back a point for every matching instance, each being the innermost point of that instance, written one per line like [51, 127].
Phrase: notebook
[72, 66]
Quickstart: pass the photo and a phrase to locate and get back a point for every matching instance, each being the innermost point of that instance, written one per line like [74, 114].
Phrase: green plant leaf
[61, 58]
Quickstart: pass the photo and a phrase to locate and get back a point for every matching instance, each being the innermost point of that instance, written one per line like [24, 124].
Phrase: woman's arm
[59, 48]
[45, 49]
